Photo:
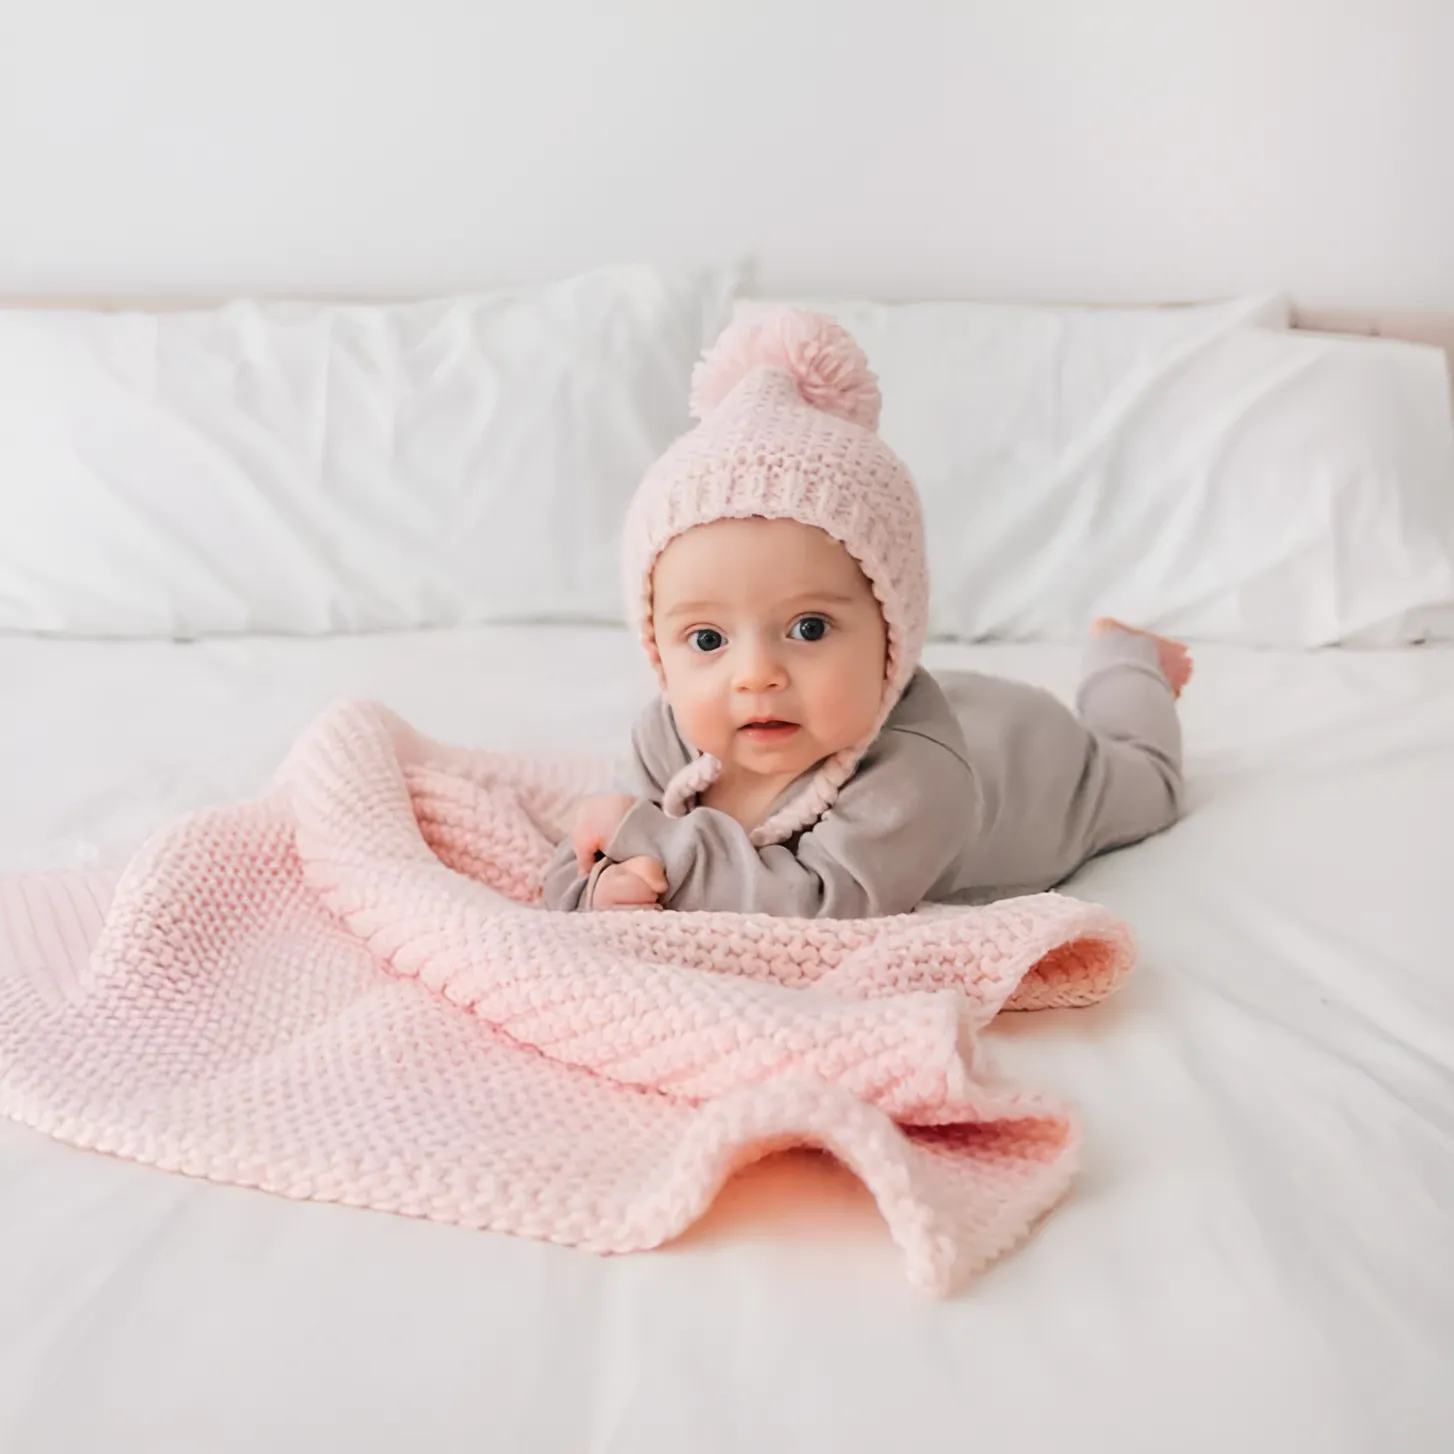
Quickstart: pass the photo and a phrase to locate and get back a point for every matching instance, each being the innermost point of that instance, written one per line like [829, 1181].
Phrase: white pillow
[1190, 469]
[314, 468]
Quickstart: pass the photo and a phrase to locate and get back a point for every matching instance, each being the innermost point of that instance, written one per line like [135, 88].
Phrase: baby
[799, 760]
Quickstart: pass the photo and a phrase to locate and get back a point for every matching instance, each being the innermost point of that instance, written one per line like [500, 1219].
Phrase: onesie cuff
[1111, 649]
[588, 888]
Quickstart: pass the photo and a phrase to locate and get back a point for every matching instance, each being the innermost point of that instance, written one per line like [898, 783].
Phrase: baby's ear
[653, 655]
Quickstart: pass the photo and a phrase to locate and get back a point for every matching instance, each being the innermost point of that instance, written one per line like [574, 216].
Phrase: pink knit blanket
[346, 991]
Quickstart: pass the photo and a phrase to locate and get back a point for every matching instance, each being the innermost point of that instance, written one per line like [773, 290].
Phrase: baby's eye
[808, 628]
[707, 640]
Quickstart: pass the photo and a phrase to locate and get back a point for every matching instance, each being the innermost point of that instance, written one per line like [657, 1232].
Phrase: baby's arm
[657, 754]
[897, 825]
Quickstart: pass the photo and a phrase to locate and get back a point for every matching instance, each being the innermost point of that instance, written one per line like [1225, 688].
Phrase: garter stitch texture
[344, 991]
[789, 412]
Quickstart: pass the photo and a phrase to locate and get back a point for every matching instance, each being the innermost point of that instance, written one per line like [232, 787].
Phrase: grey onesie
[977, 788]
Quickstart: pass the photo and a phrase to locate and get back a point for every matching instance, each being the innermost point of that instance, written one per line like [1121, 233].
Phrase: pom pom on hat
[826, 363]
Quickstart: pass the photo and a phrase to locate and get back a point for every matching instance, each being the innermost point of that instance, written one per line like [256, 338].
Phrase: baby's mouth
[768, 729]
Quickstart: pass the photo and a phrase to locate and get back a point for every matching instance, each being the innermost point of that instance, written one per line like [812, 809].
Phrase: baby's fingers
[650, 871]
[618, 888]
[629, 888]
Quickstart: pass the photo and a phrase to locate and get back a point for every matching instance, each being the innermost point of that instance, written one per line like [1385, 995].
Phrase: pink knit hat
[789, 411]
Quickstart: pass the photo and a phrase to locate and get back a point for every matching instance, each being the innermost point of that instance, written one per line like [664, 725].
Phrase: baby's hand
[636, 884]
[595, 824]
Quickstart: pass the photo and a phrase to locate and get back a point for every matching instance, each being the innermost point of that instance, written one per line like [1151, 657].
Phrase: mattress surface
[1257, 1254]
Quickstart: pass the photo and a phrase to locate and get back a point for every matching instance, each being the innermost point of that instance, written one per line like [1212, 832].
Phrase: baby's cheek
[702, 722]
[849, 705]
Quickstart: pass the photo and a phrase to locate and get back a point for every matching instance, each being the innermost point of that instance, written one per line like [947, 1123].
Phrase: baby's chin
[786, 757]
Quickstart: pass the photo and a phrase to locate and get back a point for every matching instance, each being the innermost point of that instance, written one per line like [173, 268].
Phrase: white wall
[1106, 149]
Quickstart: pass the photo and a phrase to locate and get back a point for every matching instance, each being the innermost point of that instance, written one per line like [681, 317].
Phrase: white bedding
[1258, 1256]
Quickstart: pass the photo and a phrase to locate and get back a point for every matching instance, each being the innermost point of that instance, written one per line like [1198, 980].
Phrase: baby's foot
[1174, 658]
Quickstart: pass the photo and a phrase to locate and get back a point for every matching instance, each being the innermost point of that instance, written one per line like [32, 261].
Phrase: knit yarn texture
[346, 991]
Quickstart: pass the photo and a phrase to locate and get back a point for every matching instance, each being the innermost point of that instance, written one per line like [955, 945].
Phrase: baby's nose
[758, 669]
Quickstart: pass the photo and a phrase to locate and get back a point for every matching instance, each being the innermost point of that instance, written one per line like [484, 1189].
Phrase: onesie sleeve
[565, 887]
[897, 826]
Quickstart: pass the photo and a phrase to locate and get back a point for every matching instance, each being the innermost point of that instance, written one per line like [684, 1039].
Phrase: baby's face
[772, 645]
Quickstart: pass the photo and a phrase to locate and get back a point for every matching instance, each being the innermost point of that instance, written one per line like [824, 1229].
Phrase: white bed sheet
[1258, 1256]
